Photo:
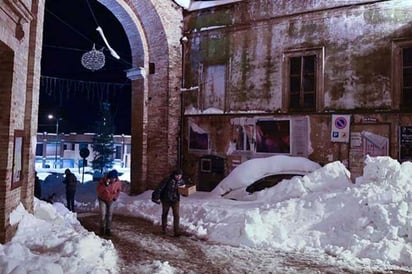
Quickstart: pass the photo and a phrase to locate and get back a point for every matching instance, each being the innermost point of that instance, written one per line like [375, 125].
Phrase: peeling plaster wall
[251, 37]
[357, 41]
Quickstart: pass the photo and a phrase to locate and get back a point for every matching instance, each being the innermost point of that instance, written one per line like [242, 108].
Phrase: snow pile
[53, 241]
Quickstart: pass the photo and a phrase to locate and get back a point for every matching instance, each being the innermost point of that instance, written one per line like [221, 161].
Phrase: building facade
[326, 80]
[65, 151]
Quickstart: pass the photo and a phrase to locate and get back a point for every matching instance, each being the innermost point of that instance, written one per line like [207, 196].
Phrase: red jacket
[110, 192]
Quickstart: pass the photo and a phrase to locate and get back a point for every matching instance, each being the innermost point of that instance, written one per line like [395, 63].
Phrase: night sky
[71, 91]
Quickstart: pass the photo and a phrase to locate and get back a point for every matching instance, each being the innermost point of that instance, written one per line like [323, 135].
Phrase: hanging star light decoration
[93, 59]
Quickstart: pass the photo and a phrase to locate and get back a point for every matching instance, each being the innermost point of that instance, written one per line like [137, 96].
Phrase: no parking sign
[340, 128]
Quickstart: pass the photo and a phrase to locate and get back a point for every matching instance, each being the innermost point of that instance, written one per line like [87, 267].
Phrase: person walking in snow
[167, 192]
[108, 190]
[70, 181]
[37, 186]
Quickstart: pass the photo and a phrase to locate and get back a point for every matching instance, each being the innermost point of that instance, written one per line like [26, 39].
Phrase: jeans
[106, 213]
[166, 205]
[70, 200]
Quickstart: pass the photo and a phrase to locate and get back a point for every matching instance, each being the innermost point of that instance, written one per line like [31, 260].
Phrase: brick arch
[6, 76]
[153, 28]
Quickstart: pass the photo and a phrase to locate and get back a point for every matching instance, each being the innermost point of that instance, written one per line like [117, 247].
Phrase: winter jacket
[108, 192]
[70, 181]
[37, 187]
[168, 190]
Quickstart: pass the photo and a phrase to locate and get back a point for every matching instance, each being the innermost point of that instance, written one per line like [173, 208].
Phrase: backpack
[159, 191]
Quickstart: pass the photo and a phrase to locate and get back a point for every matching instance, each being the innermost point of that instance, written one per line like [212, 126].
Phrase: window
[270, 135]
[406, 76]
[68, 146]
[243, 137]
[198, 138]
[304, 80]
[118, 152]
[213, 79]
[402, 75]
[273, 136]
[83, 145]
[39, 149]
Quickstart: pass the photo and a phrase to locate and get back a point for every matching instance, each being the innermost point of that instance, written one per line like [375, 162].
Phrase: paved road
[139, 244]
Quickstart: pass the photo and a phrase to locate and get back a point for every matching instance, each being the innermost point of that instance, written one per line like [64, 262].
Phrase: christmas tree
[103, 143]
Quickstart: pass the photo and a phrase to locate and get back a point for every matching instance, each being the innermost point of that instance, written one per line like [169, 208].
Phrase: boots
[108, 232]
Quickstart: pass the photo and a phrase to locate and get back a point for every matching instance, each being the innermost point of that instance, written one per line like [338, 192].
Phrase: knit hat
[112, 174]
[178, 172]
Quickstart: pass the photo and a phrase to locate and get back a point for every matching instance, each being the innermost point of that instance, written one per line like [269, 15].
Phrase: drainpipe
[183, 42]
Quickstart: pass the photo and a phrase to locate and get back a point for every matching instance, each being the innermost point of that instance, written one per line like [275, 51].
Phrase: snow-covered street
[143, 249]
[318, 223]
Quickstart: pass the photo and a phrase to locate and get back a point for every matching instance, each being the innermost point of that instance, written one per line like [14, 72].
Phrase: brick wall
[154, 31]
[21, 24]
[154, 38]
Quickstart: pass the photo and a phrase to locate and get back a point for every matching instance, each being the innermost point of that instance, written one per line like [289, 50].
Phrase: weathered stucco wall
[356, 41]
[251, 38]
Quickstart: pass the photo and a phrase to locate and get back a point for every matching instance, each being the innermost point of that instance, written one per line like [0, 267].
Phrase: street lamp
[51, 117]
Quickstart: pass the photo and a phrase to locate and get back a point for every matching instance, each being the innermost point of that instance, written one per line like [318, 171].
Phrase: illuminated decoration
[112, 51]
[94, 59]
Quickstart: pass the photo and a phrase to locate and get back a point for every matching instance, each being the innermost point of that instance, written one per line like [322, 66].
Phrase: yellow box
[186, 191]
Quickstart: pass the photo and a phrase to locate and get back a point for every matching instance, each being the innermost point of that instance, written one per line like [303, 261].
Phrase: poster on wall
[198, 138]
[273, 136]
[17, 158]
[405, 143]
[374, 144]
[367, 139]
[244, 138]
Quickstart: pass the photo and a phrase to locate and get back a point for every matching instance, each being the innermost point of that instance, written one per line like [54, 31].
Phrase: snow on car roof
[254, 169]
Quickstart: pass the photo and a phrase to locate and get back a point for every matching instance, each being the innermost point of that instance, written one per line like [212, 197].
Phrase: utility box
[211, 172]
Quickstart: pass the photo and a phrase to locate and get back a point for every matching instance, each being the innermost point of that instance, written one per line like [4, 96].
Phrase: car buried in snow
[260, 173]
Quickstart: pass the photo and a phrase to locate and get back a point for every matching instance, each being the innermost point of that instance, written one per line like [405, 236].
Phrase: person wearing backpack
[70, 181]
[167, 193]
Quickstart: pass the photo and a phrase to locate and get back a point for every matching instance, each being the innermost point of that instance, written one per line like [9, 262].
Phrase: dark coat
[70, 181]
[168, 190]
[37, 187]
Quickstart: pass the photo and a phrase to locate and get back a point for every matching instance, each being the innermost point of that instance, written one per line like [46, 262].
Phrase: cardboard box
[186, 191]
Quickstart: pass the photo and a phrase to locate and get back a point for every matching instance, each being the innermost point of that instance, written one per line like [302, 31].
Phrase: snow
[197, 5]
[366, 224]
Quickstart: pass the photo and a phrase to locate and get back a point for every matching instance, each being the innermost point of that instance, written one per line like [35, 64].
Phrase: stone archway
[153, 28]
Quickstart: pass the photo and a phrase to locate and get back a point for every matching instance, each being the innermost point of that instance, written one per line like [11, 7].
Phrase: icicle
[48, 86]
[93, 96]
[67, 85]
[61, 90]
[106, 91]
[53, 90]
[72, 89]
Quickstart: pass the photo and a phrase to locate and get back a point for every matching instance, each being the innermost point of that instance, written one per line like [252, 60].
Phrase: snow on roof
[191, 5]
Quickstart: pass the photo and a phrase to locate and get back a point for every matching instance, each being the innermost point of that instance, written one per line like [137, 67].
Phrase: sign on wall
[405, 143]
[340, 128]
